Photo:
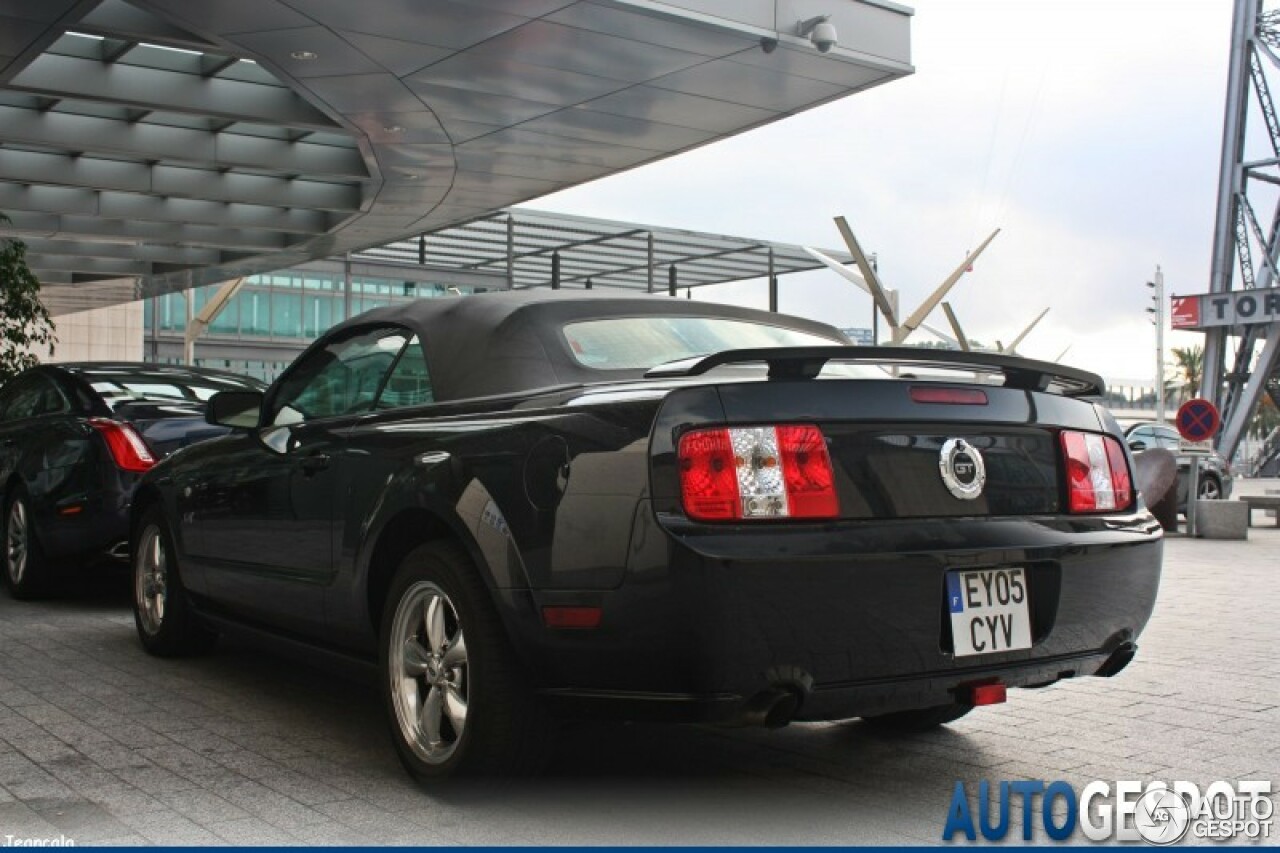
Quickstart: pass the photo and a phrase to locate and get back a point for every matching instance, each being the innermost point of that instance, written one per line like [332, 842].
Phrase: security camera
[823, 37]
[820, 31]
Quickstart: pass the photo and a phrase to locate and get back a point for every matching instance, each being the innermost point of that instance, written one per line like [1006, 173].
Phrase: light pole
[875, 312]
[1157, 317]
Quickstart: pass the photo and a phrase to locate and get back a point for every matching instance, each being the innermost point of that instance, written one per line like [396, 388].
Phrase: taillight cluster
[1097, 473]
[128, 450]
[757, 472]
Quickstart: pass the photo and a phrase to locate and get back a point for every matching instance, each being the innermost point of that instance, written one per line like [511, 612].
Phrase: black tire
[505, 729]
[27, 572]
[1209, 483]
[918, 719]
[174, 630]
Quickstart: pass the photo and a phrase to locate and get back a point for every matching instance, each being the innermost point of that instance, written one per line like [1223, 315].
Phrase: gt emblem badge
[963, 471]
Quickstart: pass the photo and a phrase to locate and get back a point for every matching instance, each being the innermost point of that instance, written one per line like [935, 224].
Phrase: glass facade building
[275, 315]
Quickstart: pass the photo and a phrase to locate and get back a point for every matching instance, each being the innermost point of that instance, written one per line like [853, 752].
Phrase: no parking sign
[1197, 422]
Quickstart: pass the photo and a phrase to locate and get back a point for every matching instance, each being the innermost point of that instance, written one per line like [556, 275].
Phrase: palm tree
[1190, 361]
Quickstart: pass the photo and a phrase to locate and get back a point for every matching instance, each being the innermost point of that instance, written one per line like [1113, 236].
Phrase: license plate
[989, 611]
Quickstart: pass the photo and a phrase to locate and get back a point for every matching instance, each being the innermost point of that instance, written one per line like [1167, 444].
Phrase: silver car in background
[1215, 472]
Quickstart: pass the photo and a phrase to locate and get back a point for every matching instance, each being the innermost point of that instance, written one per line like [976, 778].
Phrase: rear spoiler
[807, 362]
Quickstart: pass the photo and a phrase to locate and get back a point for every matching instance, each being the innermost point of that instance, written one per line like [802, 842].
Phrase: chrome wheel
[16, 543]
[428, 672]
[150, 580]
[1210, 490]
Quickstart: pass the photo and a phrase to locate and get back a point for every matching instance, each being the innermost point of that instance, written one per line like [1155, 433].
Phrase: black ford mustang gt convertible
[537, 503]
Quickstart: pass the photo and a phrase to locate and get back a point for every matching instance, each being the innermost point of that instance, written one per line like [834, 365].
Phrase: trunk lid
[888, 451]
[167, 425]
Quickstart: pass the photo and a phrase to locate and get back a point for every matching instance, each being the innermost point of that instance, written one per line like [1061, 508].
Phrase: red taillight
[757, 472]
[128, 450]
[806, 472]
[1097, 473]
[707, 479]
[949, 396]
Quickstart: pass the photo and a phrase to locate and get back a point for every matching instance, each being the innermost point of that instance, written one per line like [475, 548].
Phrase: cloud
[1089, 130]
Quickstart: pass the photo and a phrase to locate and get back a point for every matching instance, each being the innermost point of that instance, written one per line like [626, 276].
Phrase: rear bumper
[99, 527]
[838, 701]
[848, 615]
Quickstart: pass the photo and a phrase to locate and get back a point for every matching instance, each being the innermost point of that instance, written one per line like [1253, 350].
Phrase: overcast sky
[1088, 130]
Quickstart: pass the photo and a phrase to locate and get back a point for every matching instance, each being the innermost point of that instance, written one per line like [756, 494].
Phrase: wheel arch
[144, 497]
[402, 531]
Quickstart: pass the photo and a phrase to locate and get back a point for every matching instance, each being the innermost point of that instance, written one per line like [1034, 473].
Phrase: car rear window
[631, 343]
[116, 389]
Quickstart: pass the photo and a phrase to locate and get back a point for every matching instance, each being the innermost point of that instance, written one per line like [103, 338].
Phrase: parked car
[528, 503]
[1215, 473]
[74, 441]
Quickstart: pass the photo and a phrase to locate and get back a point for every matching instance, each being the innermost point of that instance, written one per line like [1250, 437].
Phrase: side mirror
[235, 409]
[1135, 446]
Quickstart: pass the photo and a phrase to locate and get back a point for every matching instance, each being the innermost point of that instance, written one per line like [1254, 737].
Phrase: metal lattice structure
[1241, 363]
[532, 248]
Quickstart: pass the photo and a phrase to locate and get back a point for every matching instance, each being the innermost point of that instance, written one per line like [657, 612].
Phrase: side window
[343, 378]
[49, 399]
[1145, 435]
[29, 397]
[409, 383]
[1167, 438]
[8, 396]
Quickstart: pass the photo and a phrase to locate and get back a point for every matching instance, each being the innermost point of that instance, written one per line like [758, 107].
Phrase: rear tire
[457, 700]
[162, 612]
[27, 572]
[918, 719]
[1210, 489]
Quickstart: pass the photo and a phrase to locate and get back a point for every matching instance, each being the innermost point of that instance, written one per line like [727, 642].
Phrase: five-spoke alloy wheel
[149, 575]
[166, 623]
[458, 702]
[429, 680]
[25, 571]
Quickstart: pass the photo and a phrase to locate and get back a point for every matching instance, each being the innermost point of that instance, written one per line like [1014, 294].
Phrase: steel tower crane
[1236, 381]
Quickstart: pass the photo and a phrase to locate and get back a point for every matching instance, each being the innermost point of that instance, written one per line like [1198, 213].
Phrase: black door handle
[314, 463]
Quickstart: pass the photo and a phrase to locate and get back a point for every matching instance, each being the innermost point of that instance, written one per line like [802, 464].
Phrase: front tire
[26, 571]
[918, 719]
[162, 612]
[456, 699]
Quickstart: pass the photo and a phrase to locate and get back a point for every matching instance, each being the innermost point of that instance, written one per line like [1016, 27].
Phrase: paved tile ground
[104, 745]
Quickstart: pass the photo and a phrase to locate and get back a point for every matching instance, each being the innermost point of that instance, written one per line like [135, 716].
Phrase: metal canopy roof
[162, 144]
[520, 244]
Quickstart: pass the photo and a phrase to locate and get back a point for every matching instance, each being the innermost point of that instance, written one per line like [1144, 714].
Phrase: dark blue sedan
[74, 440]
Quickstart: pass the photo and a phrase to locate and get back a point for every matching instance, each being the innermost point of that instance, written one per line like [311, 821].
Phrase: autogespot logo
[1156, 812]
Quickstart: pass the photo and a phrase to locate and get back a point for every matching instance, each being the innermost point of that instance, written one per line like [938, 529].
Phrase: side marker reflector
[557, 616]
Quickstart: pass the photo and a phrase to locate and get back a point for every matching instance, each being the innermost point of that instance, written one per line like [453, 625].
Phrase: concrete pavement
[101, 744]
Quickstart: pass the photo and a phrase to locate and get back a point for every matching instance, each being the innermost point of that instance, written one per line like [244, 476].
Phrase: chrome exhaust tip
[1119, 659]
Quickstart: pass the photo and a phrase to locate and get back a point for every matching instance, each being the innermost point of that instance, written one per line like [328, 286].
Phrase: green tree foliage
[1190, 361]
[24, 321]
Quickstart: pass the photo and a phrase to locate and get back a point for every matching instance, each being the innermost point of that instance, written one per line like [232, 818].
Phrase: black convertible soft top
[510, 341]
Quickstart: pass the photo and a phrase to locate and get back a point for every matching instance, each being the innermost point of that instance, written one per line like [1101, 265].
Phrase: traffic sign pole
[1197, 420]
[1193, 494]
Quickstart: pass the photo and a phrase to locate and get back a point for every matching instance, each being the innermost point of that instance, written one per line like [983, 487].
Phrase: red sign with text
[1184, 312]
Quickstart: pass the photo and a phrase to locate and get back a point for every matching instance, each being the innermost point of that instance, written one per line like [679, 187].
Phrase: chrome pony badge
[963, 471]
